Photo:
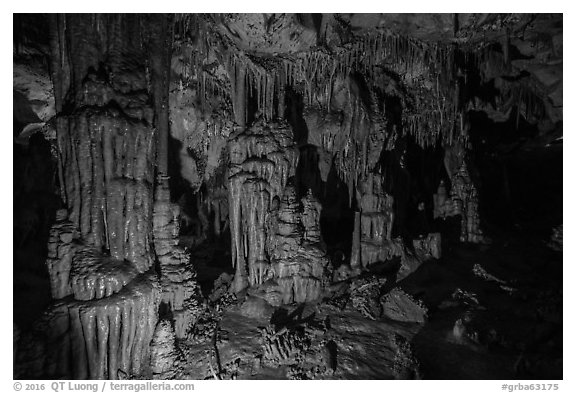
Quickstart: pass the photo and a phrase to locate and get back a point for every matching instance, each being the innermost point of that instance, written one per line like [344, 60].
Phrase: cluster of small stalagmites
[463, 201]
[95, 276]
[60, 252]
[372, 236]
[177, 275]
[364, 296]
[166, 357]
[284, 345]
[299, 267]
[400, 306]
[262, 158]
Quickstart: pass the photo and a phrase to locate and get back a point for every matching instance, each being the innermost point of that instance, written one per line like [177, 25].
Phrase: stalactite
[101, 253]
[261, 161]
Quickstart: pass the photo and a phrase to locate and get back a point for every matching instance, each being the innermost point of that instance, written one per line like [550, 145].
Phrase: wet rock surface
[288, 196]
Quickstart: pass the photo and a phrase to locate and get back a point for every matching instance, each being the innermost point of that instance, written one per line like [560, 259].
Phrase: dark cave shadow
[308, 172]
[36, 201]
[337, 217]
[283, 318]
[294, 115]
[332, 349]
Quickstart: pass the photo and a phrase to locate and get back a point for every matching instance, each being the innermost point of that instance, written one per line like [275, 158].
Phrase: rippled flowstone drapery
[109, 123]
[95, 339]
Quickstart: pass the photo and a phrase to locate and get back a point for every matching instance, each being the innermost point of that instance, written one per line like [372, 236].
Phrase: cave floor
[513, 328]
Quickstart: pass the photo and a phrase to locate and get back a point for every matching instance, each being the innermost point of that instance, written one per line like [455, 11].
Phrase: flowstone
[101, 257]
[167, 359]
[276, 243]
[95, 339]
[463, 198]
[180, 290]
[372, 238]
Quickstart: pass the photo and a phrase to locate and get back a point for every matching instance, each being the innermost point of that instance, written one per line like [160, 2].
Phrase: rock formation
[100, 250]
[184, 179]
[166, 357]
[372, 238]
[463, 199]
[266, 218]
[177, 275]
[262, 158]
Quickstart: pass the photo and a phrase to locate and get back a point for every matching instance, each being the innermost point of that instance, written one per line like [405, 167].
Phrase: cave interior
[287, 196]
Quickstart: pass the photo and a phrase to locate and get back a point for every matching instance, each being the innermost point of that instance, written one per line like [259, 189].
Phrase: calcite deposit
[372, 240]
[287, 196]
[177, 274]
[262, 159]
[100, 338]
[166, 357]
[463, 198]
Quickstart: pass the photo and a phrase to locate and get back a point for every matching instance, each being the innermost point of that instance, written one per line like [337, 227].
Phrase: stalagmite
[378, 126]
[462, 201]
[374, 222]
[261, 160]
[167, 360]
[180, 290]
[100, 251]
[300, 267]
